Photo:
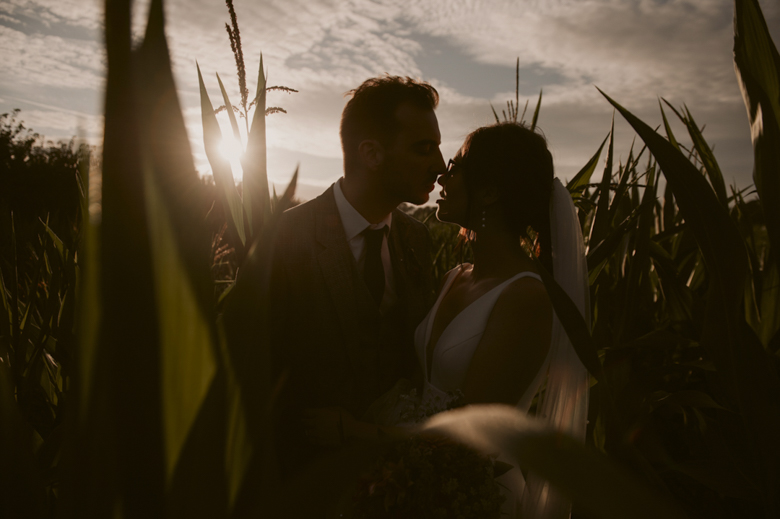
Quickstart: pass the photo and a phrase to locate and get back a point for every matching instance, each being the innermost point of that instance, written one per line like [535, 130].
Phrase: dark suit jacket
[328, 333]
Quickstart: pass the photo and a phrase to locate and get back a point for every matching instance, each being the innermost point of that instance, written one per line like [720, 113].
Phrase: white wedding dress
[451, 358]
[564, 406]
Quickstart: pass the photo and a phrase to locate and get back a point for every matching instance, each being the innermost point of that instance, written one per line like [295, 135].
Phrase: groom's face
[412, 161]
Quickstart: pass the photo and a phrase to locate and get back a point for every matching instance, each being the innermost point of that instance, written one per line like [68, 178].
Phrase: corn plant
[248, 210]
[41, 207]
[685, 332]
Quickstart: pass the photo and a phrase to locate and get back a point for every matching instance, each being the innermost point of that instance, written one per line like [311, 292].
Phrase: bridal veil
[564, 403]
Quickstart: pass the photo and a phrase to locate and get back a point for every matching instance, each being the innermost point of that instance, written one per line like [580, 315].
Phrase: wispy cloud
[79, 13]
[39, 59]
[636, 50]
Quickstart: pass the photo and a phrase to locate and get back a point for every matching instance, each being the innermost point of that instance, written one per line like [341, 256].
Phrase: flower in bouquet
[430, 477]
[415, 410]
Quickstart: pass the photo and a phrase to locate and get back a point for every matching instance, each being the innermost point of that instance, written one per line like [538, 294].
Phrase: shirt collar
[353, 221]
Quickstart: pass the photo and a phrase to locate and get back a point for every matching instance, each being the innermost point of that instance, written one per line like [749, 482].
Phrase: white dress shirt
[354, 225]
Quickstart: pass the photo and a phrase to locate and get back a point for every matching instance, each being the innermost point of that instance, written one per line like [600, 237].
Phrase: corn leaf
[257, 203]
[191, 392]
[669, 209]
[607, 247]
[188, 363]
[667, 127]
[640, 260]
[223, 177]
[573, 323]
[89, 311]
[247, 336]
[286, 199]
[736, 350]
[239, 450]
[14, 286]
[757, 64]
[55, 239]
[705, 154]
[127, 353]
[231, 113]
[165, 139]
[620, 192]
[495, 114]
[583, 176]
[6, 322]
[770, 304]
[601, 221]
[536, 111]
[22, 490]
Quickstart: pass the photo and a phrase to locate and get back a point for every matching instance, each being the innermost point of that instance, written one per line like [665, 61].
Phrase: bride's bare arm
[513, 347]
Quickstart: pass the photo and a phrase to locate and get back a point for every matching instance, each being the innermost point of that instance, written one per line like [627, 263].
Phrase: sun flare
[232, 151]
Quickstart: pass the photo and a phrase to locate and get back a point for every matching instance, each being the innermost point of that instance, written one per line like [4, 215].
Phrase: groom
[352, 273]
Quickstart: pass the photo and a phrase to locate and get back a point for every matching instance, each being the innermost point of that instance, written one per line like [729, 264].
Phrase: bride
[492, 335]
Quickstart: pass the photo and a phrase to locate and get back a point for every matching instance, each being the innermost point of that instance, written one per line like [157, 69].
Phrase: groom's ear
[371, 153]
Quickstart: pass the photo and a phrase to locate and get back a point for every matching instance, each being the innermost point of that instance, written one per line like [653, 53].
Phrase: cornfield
[134, 357]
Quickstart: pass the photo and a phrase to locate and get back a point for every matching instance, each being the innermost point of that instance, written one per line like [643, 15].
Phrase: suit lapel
[339, 271]
[408, 269]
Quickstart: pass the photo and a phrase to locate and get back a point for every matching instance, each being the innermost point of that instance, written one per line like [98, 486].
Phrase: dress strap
[524, 274]
[448, 280]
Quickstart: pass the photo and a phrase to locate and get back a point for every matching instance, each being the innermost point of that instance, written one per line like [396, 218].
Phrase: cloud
[77, 13]
[40, 59]
[59, 125]
[636, 50]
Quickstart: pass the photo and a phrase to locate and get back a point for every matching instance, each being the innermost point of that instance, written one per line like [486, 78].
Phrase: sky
[636, 51]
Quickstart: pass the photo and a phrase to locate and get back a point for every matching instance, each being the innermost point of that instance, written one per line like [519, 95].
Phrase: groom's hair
[370, 113]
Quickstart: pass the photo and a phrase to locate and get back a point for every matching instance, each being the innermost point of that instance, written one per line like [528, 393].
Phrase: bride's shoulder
[460, 266]
[527, 291]
[450, 274]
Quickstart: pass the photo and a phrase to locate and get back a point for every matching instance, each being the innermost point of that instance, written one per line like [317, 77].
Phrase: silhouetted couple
[357, 316]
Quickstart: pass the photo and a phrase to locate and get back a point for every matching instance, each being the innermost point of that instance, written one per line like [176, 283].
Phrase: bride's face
[453, 204]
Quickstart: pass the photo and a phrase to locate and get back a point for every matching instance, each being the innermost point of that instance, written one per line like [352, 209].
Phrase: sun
[232, 151]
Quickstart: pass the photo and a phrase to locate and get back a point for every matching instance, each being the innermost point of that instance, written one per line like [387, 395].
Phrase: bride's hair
[516, 160]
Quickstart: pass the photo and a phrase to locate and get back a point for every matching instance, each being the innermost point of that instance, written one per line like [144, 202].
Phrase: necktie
[373, 271]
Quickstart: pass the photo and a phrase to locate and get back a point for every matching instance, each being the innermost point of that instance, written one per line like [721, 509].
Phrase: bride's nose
[440, 180]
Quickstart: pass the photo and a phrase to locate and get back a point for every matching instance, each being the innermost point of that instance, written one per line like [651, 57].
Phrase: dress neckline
[435, 311]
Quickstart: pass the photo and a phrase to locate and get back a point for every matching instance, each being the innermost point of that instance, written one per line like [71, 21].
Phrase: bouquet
[430, 477]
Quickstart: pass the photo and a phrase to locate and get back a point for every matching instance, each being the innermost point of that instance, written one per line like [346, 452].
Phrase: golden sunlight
[232, 151]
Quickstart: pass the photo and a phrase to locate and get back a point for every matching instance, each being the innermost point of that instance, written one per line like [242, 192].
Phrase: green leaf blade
[231, 113]
[583, 175]
[757, 65]
[257, 202]
[223, 176]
